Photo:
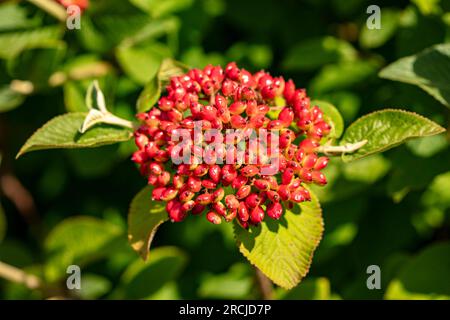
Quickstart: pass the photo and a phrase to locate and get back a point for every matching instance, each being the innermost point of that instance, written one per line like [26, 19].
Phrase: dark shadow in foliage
[434, 66]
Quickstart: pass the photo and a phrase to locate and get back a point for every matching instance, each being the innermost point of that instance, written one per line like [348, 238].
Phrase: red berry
[275, 210]
[243, 211]
[213, 217]
[256, 215]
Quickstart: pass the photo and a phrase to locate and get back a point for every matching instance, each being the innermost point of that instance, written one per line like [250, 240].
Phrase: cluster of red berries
[222, 99]
[82, 4]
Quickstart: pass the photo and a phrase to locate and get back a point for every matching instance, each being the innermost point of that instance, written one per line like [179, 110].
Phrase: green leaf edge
[350, 159]
[316, 245]
[144, 250]
[26, 149]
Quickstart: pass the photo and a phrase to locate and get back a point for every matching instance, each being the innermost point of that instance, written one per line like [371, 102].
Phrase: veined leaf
[386, 129]
[144, 218]
[63, 132]
[283, 249]
[429, 69]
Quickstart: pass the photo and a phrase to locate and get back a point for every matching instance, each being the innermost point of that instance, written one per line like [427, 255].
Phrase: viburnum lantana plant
[237, 147]
[262, 165]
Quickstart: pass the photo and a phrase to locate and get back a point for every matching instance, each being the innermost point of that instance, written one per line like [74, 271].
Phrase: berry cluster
[232, 98]
[82, 4]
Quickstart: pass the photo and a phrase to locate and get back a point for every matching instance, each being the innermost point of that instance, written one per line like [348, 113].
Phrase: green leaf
[425, 276]
[143, 279]
[333, 116]
[37, 64]
[161, 8]
[283, 249]
[78, 240]
[149, 96]
[10, 99]
[13, 16]
[367, 170]
[342, 75]
[429, 69]
[386, 129]
[144, 218]
[310, 289]
[236, 283]
[152, 90]
[314, 53]
[140, 64]
[374, 38]
[438, 193]
[63, 132]
[93, 286]
[14, 42]
[427, 7]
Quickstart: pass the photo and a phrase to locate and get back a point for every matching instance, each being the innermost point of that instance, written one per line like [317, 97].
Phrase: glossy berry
[214, 182]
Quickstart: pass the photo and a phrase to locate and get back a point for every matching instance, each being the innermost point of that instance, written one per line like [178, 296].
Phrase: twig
[264, 285]
[14, 274]
[20, 196]
[337, 150]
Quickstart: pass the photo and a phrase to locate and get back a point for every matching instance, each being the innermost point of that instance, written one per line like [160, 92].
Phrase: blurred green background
[67, 207]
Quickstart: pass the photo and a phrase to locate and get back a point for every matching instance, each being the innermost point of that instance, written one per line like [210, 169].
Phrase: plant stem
[264, 285]
[16, 275]
[51, 8]
[338, 150]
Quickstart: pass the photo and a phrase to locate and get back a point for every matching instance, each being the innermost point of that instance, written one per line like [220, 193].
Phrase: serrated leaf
[145, 278]
[144, 218]
[429, 69]
[386, 129]
[283, 249]
[333, 114]
[63, 132]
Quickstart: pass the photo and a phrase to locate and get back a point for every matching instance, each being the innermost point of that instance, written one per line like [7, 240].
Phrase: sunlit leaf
[386, 129]
[63, 132]
[144, 218]
[283, 250]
